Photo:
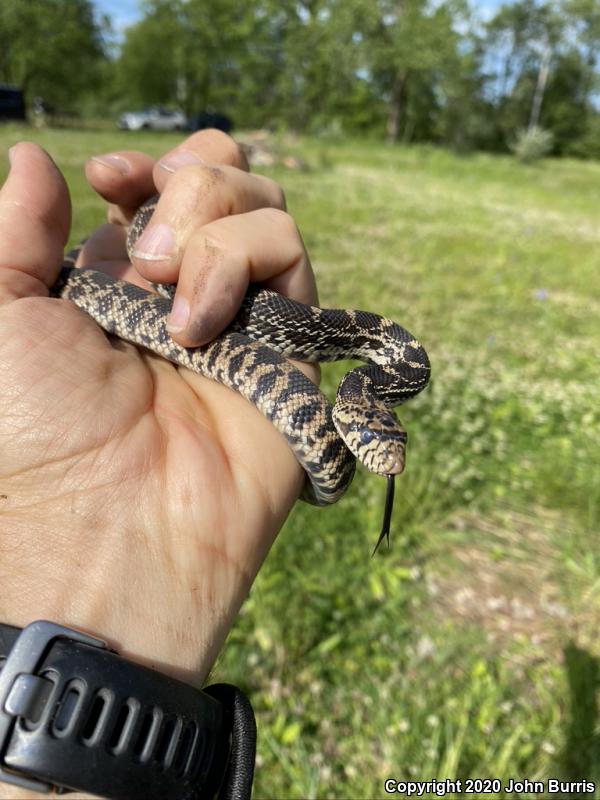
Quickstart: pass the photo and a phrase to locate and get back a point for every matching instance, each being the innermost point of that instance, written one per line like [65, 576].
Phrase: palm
[140, 445]
[61, 370]
[126, 417]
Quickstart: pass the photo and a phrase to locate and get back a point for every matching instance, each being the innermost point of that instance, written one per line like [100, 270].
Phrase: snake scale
[250, 356]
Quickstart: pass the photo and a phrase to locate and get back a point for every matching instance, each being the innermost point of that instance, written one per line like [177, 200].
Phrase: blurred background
[439, 158]
[470, 77]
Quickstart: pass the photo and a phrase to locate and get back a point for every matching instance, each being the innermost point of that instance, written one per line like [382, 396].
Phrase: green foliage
[412, 70]
[565, 113]
[532, 144]
[407, 70]
[588, 144]
[151, 59]
[53, 49]
[407, 46]
[525, 39]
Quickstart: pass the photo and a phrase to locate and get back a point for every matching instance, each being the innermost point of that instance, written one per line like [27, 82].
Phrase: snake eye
[366, 436]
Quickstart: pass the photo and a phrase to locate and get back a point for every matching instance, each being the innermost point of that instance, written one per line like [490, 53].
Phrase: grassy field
[470, 648]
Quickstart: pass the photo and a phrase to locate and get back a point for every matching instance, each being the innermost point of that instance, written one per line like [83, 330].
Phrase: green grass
[470, 648]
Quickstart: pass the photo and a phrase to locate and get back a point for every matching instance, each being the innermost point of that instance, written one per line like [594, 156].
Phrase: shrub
[532, 144]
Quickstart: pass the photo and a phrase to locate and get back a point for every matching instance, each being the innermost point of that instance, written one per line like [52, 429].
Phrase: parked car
[210, 119]
[12, 105]
[156, 119]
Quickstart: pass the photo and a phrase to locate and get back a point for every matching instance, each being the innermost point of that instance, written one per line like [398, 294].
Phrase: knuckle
[278, 194]
[219, 239]
[236, 156]
[212, 237]
[282, 202]
[284, 222]
[271, 191]
[229, 150]
[194, 185]
[196, 176]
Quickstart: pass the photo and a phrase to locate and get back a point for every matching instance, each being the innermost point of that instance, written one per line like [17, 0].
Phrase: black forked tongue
[387, 514]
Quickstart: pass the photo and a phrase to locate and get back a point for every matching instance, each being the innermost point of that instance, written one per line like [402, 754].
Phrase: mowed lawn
[470, 648]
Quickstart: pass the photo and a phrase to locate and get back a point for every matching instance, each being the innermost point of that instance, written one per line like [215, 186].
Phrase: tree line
[406, 70]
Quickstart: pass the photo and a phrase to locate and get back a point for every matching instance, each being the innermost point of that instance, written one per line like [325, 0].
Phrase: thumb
[35, 216]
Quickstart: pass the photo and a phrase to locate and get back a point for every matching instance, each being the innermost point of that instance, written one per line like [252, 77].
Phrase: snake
[252, 357]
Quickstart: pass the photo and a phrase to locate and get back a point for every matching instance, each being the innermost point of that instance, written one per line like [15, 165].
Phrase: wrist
[110, 581]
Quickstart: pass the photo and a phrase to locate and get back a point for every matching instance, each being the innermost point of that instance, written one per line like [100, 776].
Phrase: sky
[125, 12]
[121, 12]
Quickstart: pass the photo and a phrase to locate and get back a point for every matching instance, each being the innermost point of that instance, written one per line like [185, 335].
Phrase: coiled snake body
[251, 357]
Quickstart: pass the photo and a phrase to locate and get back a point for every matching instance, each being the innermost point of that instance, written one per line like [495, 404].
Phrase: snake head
[375, 436]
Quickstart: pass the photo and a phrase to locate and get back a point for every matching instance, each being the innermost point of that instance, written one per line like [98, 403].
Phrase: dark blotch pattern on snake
[250, 356]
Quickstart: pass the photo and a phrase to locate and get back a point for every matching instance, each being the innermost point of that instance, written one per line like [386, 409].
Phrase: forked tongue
[387, 514]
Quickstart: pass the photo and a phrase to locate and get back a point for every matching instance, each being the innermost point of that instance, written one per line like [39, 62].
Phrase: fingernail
[113, 162]
[178, 318]
[155, 244]
[11, 154]
[180, 158]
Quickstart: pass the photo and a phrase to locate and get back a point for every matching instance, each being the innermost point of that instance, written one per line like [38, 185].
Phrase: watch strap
[74, 715]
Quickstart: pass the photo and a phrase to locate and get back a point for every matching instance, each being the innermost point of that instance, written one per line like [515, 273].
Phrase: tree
[548, 55]
[566, 108]
[149, 64]
[318, 85]
[464, 118]
[199, 54]
[408, 43]
[52, 48]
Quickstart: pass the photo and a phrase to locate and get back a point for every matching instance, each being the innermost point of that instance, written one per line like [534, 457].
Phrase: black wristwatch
[75, 716]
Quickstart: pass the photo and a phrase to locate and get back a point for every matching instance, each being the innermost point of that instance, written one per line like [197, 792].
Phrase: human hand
[137, 499]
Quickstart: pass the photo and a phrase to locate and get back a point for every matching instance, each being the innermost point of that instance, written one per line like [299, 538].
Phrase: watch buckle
[21, 690]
